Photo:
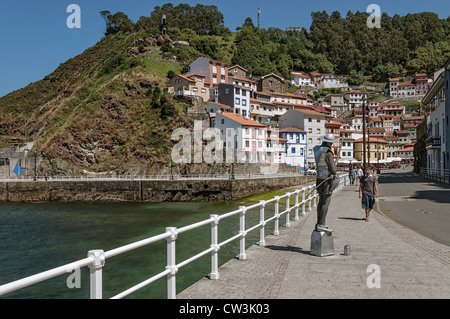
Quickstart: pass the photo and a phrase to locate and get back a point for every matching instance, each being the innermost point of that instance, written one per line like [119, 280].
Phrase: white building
[246, 137]
[438, 128]
[355, 99]
[262, 108]
[436, 139]
[333, 81]
[235, 96]
[307, 120]
[395, 109]
[357, 122]
[346, 156]
[296, 146]
[275, 148]
[300, 79]
[244, 83]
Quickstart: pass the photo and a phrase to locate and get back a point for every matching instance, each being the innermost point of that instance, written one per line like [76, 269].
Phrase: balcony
[433, 142]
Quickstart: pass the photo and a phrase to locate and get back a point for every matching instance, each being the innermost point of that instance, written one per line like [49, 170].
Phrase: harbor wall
[144, 190]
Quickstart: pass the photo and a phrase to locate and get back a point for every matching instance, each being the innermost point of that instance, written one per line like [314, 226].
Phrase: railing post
[303, 201]
[214, 244]
[95, 270]
[262, 236]
[171, 263]
[296, 205]
[276, 232]
[310, 199]
[288, 208]
[242, 254]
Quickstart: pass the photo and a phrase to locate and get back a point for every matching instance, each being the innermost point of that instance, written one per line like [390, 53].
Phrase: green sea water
[41, 236]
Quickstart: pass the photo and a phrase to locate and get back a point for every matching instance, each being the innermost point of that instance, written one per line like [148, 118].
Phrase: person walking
[359, 173]
[352, 175]
[368, 191]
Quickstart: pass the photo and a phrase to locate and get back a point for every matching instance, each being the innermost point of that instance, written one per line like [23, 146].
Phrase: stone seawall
[144, 190]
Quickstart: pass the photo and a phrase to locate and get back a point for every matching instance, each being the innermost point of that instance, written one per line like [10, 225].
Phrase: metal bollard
[347, 250]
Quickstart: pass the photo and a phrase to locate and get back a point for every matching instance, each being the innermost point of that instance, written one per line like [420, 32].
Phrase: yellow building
[192, 85]
[376, 150]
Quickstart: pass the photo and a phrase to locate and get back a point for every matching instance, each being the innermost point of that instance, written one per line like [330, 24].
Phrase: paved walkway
[410, 266]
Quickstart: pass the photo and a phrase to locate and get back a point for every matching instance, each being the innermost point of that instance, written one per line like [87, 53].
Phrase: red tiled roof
[238, 66]
[372, 140]
[272, 74]
[274, 138]
[309, 112]
[291, 129]
[241, 120]
[301, 75]
[185, 78]
[221, 105]
[242, 79]
[263, 93]
[407, 83]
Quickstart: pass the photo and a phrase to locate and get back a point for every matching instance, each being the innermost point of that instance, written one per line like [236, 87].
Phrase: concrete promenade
[410, 265]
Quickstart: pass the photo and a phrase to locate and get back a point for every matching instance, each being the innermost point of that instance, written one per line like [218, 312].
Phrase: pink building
[421, 81]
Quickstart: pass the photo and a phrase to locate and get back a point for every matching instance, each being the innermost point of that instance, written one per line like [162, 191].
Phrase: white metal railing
[440, 175]
[96, 258]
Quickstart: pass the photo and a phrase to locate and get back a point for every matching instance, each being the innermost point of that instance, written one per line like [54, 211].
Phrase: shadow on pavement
[352, 218]
[288, 248]
[439, 196]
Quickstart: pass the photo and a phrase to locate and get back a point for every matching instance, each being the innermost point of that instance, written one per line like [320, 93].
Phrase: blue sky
[35, 39]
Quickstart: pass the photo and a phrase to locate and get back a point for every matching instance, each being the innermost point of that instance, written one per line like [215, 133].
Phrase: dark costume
[326, 179]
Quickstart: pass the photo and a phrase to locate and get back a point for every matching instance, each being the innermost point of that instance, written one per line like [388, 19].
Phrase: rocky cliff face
[101, 111]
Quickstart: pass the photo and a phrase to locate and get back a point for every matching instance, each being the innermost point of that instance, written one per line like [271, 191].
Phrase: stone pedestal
[322, 244]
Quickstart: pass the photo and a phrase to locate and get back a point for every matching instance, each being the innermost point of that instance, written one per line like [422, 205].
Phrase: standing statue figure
[327, 180]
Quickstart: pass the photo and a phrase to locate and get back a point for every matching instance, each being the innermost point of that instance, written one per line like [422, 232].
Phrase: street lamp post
[364, 131]
[35, 166]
